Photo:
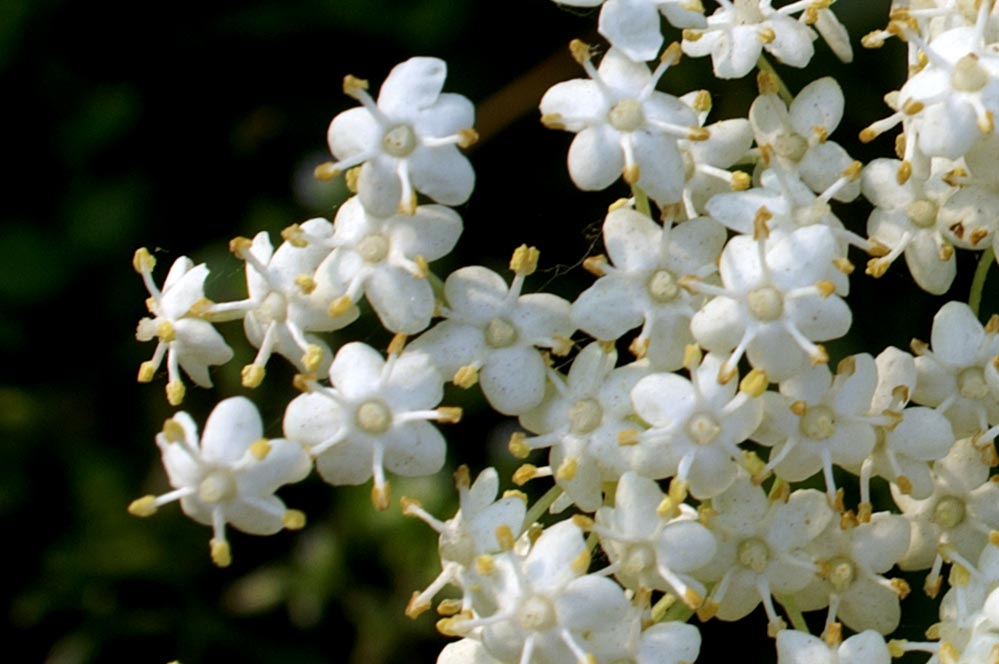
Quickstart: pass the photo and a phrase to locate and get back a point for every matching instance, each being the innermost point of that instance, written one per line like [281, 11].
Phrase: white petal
[231, 428]
[413, 84]
[595, 158]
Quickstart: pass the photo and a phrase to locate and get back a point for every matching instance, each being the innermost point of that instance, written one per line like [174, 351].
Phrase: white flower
[386, 260]
[187, 341]
[739, 30]
[632, 26]
[374, 417]
[491, 332]
[641, 283]
[229, 475]
[483, 525]
[407, 142]
[699, 423]
[777, 299]
[868, 647]
[624, 126]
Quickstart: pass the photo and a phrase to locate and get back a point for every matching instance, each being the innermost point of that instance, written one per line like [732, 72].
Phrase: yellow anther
[312, 358]
[667, 508]
[822, 135]
[524, 474]
[583, 522]
[175, 392]
[339, 306]
[353, 85]
[726, 373]
[692, 356]
[628, 437]
[451, 626]
[833, 634]
[397, 344]
[702, 101]
[449, 607]
[838, 501]
[581, 563]
[467, 137]
[767, 83]
[754, 383]
[350, 178]
[553, 121]
[416, 606]
[897, 648]
[260, 449]
[173, 431]
[760, 219]
[252, 375]
[904, 484]
[567, 469]
[514, 493]
[691, 35]
[517, 445]
[293, 519]
[900, 587]
[407, 205]
[295, 236]
[752, 462]
[239, 246]
[306, 283]
[221, 553]
[145, 506]
[994, 538]
[992, 324]
[826, 288]
[165, 331]
[698, 134]
[920, 347]
[904, 172]
[143, 261]
[955, 176]
[678, 490]
[672, 54]
[767, 35]
[620, 203]
[639, 347]
[326, 171]
[485, 565]
[900, 149]
[819, 356]
[562, 346]
[505, 537]
[381, 496]
[580, 50]
[466, 376]
[303, 382]
[987, 124]
[449, 414]
[692, 598]
[874, 39]
[799, 408]
[740, 181]
[410, 506]
[146, 372]
[422, 267]
[978, 235]
[948, 653]
[595, 265]
[462, 477]
[524, 260]
[876, 267]
[867, 135]
[707, 610]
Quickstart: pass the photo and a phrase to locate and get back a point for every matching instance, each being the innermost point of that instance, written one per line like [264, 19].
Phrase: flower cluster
[693, 396]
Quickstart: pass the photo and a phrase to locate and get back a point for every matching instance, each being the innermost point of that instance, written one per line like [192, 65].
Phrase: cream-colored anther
[466, 376]
[567, 469]
[173, 431]
[165, 331]
[553, 121]
[767, 35]
[754, 383]
[252, 375]
[143, 261]
[353, 85]
[147, 370]
[524, 260]
[579, 50]
[312, 358]
[175, 392]
[293, 519]
[221, 553]
[326, 171]
[306, 283]
[381, 496]
[260, 449]
[467, 137]
[339, 306]
[145, 506]
[373, 417]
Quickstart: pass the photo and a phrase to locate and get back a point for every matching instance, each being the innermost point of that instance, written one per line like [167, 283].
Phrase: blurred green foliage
[178, 126]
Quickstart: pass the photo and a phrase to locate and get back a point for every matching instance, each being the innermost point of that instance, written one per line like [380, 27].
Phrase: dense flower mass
[688, 411]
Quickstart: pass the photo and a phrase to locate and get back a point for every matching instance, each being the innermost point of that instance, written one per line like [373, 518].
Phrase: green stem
[782, 89]
[641, 200]
[793, 612]
[978, 284]
[542, 504]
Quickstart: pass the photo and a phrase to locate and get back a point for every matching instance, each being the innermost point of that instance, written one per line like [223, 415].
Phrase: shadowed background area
[178, 126]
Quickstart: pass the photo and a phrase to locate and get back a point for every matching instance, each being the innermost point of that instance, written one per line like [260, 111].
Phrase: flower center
[790, 146]
[922, 213]
[399, 141]
[818, 423]
[812, 214]
[500, 333]
[968, 75]
[971, 383]
[702, 428]
[662, 286]
[373, 248]
[766, 303]
[754, 554]
[949, 512]
[626, 115]
[536, 614]
[638, 559]
[218, 485]
[273, 308]
[585, 416]
[373, 417]
[841, 575]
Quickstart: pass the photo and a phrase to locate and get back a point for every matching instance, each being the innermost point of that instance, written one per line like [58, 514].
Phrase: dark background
[180, 125]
